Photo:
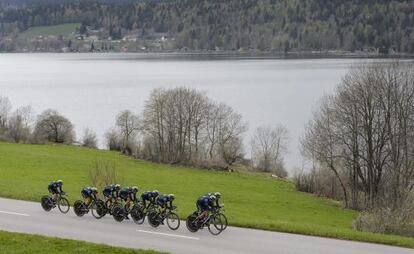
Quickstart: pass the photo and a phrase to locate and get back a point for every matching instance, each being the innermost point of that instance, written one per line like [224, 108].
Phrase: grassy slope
[63, 29]
[251, 200]
[12, 243]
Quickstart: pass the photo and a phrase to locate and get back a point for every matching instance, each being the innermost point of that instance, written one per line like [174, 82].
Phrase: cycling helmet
[60, 182]
[171, 196]
[117, 186]
[156, 192]
[217, 194]
[95, 190]
[135, 189]
[212, 197]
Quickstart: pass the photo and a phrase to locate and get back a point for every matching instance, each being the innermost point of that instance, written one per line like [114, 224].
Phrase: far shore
[237, 54]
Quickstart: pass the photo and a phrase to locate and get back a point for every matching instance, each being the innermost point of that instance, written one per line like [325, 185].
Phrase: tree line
[360, 143]
[262, 25]
[176, 126]
[184, 126]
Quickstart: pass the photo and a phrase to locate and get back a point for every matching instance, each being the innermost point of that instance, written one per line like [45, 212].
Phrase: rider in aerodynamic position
[111, 192]
[165, 201]
[149, 196]
[89, 193]
[128, 194]
[205, 205]
[55, 188]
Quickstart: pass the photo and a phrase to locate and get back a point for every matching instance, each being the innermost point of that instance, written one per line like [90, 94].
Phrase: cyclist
[149, 196]
[204, 205]
[111, 192]
[55, 188]
[128, 194]
[165, 202]
[89, 193]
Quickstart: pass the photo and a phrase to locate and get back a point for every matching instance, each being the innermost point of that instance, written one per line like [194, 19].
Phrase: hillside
[367, 27]
[251, 200]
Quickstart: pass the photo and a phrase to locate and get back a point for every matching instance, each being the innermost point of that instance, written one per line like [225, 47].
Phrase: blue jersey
[204, 203]
[87, 192]
[162, 200]
[125, 193]
[148, 195]
[109, 190]
[55, 187]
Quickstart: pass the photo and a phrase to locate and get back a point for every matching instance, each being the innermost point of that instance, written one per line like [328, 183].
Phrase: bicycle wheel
[215, 225]
[223, 219]
[98, 209]
[137, 215]
[190, 223]
[173, 221]
[63, 205]
[78, 208]
[46, 203]
[153, 219]
[118, 213]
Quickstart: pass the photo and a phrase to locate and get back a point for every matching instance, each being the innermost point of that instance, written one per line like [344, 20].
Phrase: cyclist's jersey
[126, 193]
[148, 196]
[87, 192]
[204, 203]
[162, 200]
[55, 187]
[110, 191]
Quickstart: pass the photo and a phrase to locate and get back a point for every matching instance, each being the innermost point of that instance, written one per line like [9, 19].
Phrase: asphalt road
[29, 217]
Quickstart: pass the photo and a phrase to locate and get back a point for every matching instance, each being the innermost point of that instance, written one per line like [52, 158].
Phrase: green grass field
[251, 200]
[16, 243]
[63, 29]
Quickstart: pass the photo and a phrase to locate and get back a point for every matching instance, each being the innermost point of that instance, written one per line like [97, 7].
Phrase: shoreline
[211, 55]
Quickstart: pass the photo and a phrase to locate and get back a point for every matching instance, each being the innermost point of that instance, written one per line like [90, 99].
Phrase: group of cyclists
[206, 204]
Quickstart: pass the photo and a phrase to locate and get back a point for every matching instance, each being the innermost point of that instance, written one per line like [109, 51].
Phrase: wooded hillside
[249, 25]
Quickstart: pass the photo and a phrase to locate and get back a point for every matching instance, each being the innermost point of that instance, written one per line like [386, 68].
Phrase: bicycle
[48, 203]
[120, 212]
[139, 212]
[194, 223]
[157, 217]
[110, 204]
[97, 208]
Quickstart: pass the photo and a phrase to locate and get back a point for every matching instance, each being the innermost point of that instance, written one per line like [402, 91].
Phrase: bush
[89, 139]
[113, 140]
[103, 174]
[320, 182]
[399, 221]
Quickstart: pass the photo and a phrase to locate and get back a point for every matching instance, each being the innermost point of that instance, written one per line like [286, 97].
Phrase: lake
[90, 89]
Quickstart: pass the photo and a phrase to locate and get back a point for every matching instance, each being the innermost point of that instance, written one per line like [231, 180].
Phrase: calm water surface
[90, 89]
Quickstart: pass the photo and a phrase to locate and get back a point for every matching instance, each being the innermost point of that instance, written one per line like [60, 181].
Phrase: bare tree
[128, 124]
[268, 146]
[229, 128]
[364, 134]
[53, 127]
[19, 124]
[182, 125]
[89, 139]
[113, 140]
[5, 107]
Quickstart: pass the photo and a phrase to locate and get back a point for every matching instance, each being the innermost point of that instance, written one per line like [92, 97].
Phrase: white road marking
[13, 213]
[172, 235]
